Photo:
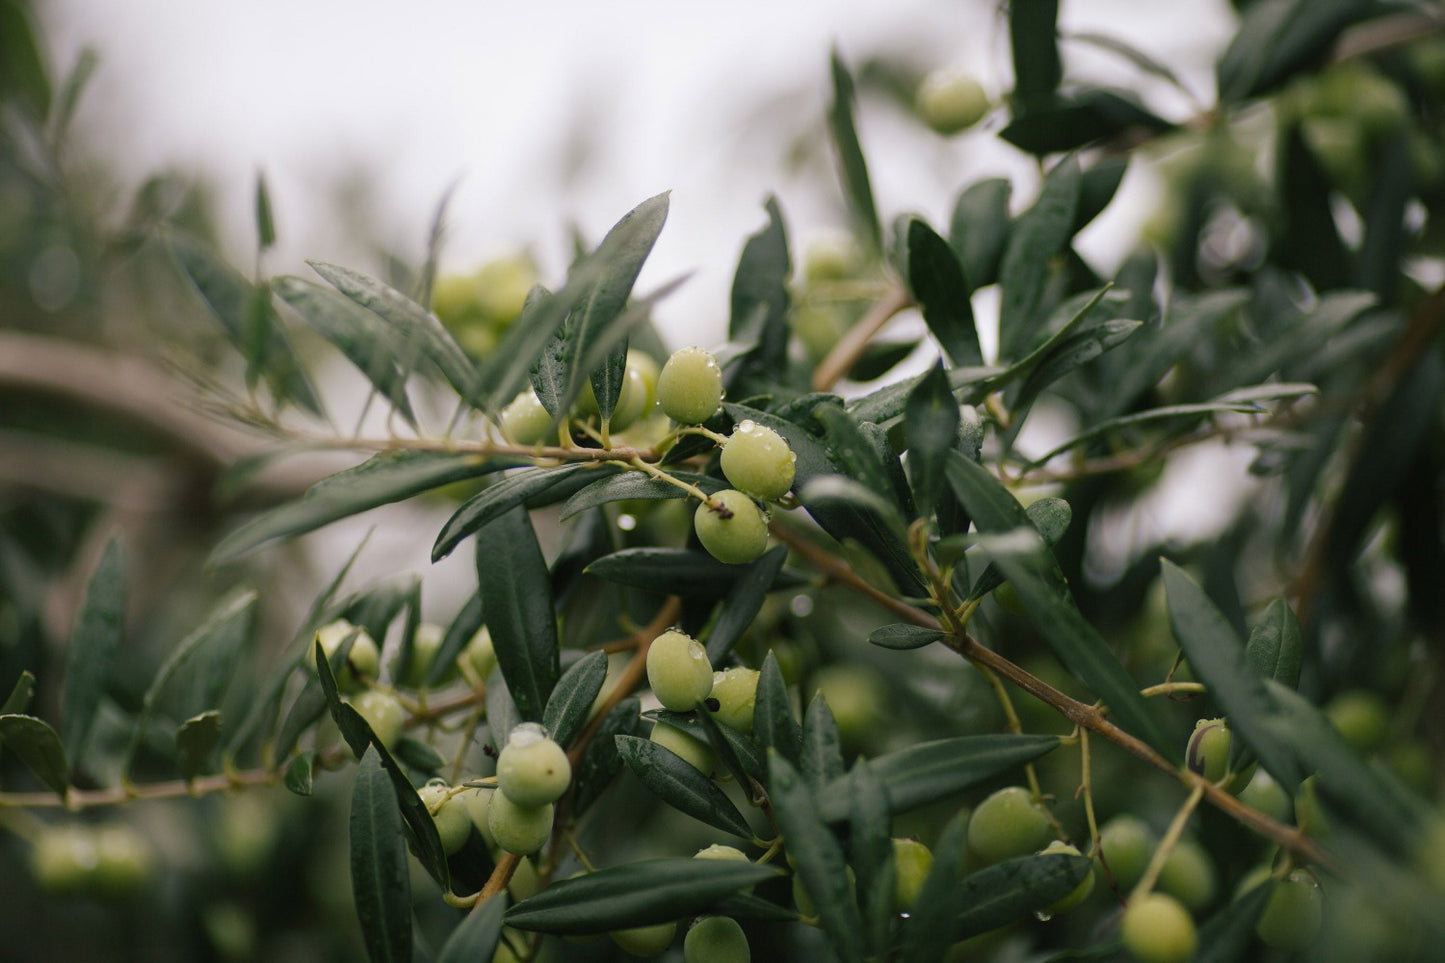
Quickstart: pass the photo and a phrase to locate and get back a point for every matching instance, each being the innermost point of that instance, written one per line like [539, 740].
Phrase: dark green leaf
[19, 698]
[571, 700]
[1015, 888]
[1307, 236]
[743, 602]
[99, 628]
[23, 76]
[521, 488]
[817, 858]
[679, 784]
[517, 599]
[929, 931]
[746, 907]
[738, 754]
[1041, 585]
[39, 747]
[265, 222]
[411, 325]
[884, 406]
[1278, 38]
[475, 939]
[383, 479]
[870, 851]
[837, 493]
[601, 762]
[938, 284]
[641, 893]
[298, 775]
[1076, 120]
[1073, 352]
[929, 771]
[931, 418]
[380, 879]
[502, 714]
[458, 635]
[1275, 649]
[979, 229]
[635, 486]
[821, 758]
[365, 340]
[1040, 234]
[1034, 42]
[1226, 936]
[851, 165]
[1050, 517]
[418, 755]
[760, 291]
[773, 724]
[904, 636]
[676, 571]
[196, 739]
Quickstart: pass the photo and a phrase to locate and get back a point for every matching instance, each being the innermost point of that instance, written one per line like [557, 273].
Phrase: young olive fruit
[1079, 893]
[525, 421]
[857, 699]
[735, 532]
[645, 940]
[478, 803]
[689, 387]
[526, 882]
[383, 712]
[125, 860]
[1208, 749]
[1292, 916]
[1006, 824]
[502, 286]
[757, 460]
[1157, 929]
[1188, 875]
[719, 851]
[694, 752]
[1266, 795]
[453, 822]
[532, 770]
[1361, 717]
[736, 691]
[480, 654]
[518, 829]
[833, 257]
[1309, 815]
[426, 641]
[678, 671]
[363, 662]
[63, 859]
[911, 863]
[950, 102]
[716, 939]
[1127, 844]
[631, 401]
[647, 372]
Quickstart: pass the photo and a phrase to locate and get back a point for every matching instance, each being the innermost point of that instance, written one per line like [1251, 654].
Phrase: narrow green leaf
[1217, 658]
[1227, 935]
[634, 486]
[1080, 118]
[477, 936]
[901, 635]
[459, 634]
[838, 493]
[516, 592]
[870, 851]
[298, 775]
[774, 726]
[737, 753]
[1278, 38]
[641, 893]
[817, 858]
[1275, 649]
[676, 571]
[571, 700]
[24, 79]
[417, 755]
[760, 297]
[938, 284]
[99, 628]
[1050, 517]
[196, 739]
[1074, 352]
[1034, 42]
[680, 785]
[521, 488]
[600, 763]
[979, 229]
[884, 406]
[1039, 235]
[1041, 585]
[380, 880]
[265, 221]
[39, 747]
[383, 479]
[929, 930]
[20, 694]
[411, 325]
[821, 758]
[1015, 888]
[366, 341]
[502, 714]
[852, 167]
[931, 419]
[743, 603]
[929, 771]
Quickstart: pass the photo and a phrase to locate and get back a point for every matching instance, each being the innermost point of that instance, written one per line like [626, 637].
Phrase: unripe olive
[694, 752]
[734, 532]
[716, 939]
[719, 851]
[478, 802]
[1156, 929]
[502, 286]
[480, 654]
[63, 858]
[645, 940]
[758, 460]
[363, 662]
[518, 829]
[736, 691]
[1006, 824]
[1361, 717]
[124, 860]
[1127, 844]
[647, 372]
[425, 643]
[911, 862]
[1188, 875]
[526, 882]
[950, 102]
[1208, 749]
[453, 822]
[532, 770]
[525, 421]
[1292, 917]
[678, 671]
[631, 401]
[832, 258]
[1079, 893]
[689, 387]
[856, 698]
[1266, 795]
[1309, 815]
[383, 712]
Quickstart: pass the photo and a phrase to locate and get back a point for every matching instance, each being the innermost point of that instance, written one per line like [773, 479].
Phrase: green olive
[1006, 824]
[383, 712]
[1188, 875]
[678, 671]
[645, 940]
[1157, 929]
[716, 939]
[689, 387]
[363, 662]
[950, 102]
[1292, 917]
[1079, 893]
[1127, 844]
[1208, 749]
[453, 822]
[731, 527]
[911, 862]
[694, 752]
[532, 769]
[735, 690]
[518, 829]
[758, 460]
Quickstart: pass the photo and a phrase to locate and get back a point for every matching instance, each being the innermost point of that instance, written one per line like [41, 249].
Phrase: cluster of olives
[526, 421]
[478, 307]
[74, 859]
[682, 678]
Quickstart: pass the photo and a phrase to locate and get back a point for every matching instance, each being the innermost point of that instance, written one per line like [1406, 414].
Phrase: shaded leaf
[1034, 43]
[502, 714]
[635, 486]
[929, 932]
[743, 602]
[600, 763]
[477, 936]
[676, 571]
[380, 881]
[774, 726]
[1225, 936]
[870, 851]
[901, 635]
[1278, 38]
[39, 747]
[298, 777]
[979, 229]
[265, 221]
[759, 299]
[459, 633]
[1015, 888]
[572, 698]
[1275, 649]
[932, 419]
[516, 592]
[99, 628]
[1050, 517]
[1079, 119]
[196, 739]
[531, 487]
[821, 756]
[938, 284]
[20, 694]
[857, 189]
[682, 786]
[1040, 234]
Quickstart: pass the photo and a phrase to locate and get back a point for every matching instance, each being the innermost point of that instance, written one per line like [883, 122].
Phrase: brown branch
[850, 347]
